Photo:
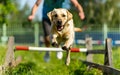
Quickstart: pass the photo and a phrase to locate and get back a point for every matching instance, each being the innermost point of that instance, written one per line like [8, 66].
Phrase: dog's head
[59, 17]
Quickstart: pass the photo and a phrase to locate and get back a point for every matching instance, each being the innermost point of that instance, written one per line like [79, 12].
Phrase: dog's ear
[69, 15]
[49, 14]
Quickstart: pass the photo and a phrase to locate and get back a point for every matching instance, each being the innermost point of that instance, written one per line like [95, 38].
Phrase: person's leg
[46, 29]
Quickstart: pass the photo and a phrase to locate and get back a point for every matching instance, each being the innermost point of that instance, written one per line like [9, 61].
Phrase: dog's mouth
[60, 27]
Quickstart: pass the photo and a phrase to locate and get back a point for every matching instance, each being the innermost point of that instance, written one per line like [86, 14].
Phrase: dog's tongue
[59, 28]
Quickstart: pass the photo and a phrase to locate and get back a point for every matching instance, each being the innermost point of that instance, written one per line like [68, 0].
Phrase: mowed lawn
[33, 63]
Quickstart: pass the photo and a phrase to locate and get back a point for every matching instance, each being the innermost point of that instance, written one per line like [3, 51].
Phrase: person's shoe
[47, 57]
[59, 55]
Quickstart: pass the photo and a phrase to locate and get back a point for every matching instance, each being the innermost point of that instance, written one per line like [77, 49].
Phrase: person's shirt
[49, 5]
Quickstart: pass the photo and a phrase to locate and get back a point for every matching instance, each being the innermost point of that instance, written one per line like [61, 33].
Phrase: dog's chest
[63, 36]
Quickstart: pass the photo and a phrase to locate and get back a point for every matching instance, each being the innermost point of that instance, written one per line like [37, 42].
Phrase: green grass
[33, 63]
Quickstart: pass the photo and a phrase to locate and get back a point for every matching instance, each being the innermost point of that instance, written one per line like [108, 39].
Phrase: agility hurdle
[11, 61]
[27, 48]
[12, 48]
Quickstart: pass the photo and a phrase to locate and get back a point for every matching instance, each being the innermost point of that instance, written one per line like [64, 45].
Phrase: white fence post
[105, 30]
[36, 34]
[4, 37]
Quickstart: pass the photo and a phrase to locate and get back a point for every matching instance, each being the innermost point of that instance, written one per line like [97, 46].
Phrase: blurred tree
[108, 13]
[7, 9]
[98, 12]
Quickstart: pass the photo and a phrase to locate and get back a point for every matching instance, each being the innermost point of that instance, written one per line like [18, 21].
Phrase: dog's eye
[63, 15]
[55, 15]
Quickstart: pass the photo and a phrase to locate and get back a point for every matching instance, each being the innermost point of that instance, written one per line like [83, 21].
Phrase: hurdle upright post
[108, 54]
[10, 60]
[10, 53]
[89, 47]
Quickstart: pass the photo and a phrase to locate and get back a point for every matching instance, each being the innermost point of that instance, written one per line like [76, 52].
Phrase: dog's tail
[77, 29]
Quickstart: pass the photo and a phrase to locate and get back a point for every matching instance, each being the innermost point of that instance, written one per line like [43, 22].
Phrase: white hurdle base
[27, 48]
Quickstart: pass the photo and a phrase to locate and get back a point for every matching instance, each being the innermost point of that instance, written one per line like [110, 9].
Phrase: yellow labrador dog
[62, 30]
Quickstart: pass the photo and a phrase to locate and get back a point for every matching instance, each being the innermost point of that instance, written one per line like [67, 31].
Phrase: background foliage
[7, 10]
[96, 12]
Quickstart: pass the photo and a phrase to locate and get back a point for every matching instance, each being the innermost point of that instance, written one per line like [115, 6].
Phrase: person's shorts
[46, 26]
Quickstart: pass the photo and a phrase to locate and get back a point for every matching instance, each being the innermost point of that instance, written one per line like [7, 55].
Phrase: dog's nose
[59, 22]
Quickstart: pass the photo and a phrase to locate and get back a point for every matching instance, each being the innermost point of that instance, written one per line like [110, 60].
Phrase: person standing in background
[48, 6]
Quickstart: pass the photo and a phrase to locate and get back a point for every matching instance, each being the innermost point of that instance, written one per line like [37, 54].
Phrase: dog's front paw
[65, 48]
[54, 44]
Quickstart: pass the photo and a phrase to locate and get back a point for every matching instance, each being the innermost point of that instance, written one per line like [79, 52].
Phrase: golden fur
[62, 29]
